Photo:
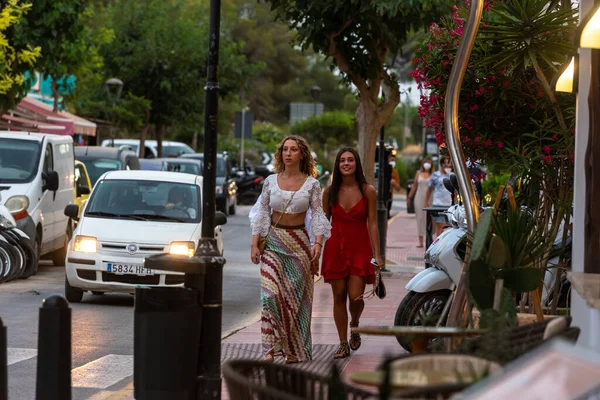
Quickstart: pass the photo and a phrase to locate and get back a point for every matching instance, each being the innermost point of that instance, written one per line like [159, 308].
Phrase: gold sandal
[270, 356]
[291, 360]
[355, 341]
[343, 351]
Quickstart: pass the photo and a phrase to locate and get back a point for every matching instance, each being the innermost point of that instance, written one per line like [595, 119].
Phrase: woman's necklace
[349, 189]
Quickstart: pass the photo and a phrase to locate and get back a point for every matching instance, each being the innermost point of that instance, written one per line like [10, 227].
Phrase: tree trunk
[367, 121]
[195, 140]
[55, 93]
[159, 137]
[144, 135]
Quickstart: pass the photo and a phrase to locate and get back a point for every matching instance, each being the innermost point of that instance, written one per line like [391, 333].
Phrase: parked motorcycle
[431, 291]
[17, 257]
[249, 185]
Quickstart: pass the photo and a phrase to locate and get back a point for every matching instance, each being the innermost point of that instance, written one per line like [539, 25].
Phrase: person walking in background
[351, 204]
[419, 190]
[289, 214]
[441, 196]
[394, 182]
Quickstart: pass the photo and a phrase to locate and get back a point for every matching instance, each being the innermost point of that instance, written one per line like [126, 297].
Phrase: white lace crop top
[308, 199]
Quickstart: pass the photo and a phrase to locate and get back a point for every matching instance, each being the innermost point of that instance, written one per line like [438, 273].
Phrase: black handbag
[379, 286]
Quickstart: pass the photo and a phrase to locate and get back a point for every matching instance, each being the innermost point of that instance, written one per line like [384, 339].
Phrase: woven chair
[258, 380]
[509, 344]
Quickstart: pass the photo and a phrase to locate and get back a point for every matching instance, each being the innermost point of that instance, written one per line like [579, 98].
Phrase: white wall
[583, 317]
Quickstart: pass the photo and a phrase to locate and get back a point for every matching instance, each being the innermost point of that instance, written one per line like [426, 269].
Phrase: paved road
[102, 335]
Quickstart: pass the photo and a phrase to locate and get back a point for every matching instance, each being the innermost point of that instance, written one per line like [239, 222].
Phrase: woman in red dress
[350, 203]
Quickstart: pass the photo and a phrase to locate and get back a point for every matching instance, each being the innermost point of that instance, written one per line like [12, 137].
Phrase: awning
[33, 110]
[29, 125]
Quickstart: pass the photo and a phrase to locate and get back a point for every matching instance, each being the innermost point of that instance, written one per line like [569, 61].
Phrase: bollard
[3, 363]
[54, 350]
[167, 324]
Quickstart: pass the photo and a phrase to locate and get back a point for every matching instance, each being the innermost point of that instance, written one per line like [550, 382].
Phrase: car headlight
[219, 189]
[85, 244]
[182, 249]
[18, 205]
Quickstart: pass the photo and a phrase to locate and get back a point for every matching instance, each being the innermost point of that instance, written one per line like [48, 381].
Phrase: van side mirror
[220, 218]
[72, 211]
[50, 181]
[82, 189]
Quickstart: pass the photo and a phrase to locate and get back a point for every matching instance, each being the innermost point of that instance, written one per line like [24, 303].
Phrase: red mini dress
[348, 251]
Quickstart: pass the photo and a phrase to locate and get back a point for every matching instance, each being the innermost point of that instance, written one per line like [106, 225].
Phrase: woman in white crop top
[289, 213]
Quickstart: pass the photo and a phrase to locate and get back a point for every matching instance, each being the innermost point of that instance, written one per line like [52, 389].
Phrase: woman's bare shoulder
[370, 190]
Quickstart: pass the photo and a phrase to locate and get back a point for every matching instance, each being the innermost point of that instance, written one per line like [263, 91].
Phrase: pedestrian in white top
[289, 215]
[441, 196]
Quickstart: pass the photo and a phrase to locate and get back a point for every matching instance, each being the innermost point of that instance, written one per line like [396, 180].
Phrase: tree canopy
[14, 61]
[359, 35]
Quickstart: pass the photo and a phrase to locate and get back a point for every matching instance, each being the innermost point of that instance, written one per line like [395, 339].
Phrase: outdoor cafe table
[421, 335]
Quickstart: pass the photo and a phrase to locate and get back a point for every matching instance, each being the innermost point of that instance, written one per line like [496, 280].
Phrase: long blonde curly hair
[308, 165]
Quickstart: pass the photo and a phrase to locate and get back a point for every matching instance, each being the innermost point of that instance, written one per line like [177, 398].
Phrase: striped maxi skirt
[287, 292]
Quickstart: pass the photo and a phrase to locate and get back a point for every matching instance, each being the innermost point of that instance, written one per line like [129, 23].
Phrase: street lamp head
[315, 91]
[116, 85]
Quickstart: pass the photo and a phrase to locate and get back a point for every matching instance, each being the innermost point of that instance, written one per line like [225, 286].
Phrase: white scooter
[430, 292]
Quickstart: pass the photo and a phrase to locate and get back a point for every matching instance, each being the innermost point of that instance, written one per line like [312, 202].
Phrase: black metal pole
[53, 379]
[209, 355]
[381, 197]
[3, 363]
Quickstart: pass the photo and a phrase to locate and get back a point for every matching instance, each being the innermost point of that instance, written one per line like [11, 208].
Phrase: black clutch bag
[379, 285]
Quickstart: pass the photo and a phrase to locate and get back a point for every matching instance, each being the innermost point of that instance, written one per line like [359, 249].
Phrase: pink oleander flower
[546, 149]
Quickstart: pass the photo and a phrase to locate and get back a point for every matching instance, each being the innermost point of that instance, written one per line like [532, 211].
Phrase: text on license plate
[130, 269]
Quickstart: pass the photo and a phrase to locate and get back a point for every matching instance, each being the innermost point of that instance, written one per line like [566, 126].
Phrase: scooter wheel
[420, 309]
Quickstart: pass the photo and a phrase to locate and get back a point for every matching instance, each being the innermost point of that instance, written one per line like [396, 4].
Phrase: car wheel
[59, 256]
[73, 294]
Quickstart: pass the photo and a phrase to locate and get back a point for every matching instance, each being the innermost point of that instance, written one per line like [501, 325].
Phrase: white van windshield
[145, 200]
[19, 160]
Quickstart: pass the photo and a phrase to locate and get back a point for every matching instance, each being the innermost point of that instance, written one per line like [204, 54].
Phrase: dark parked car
[226, 191]
[99, 160]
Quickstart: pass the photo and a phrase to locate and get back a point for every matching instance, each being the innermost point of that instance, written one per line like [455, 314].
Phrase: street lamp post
[209, 360]
[406, 126]
[113, 88]
[315, 92]
[381, 197]
[204, 271]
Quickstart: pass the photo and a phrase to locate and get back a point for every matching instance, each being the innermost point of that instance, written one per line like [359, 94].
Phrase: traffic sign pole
[243, 135]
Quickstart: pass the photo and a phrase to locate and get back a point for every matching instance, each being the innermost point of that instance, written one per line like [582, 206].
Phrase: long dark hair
[336, 182]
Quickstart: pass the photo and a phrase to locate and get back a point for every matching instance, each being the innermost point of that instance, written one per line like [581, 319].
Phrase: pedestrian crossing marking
[102, 372]
[15, 354]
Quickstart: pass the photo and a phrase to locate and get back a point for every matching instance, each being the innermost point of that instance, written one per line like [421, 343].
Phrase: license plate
[128, 269]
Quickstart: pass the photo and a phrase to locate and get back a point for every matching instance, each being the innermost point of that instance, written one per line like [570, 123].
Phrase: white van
[169, 148]
[37, 174]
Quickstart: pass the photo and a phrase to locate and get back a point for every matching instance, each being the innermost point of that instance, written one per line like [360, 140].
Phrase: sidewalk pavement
[404, 259]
